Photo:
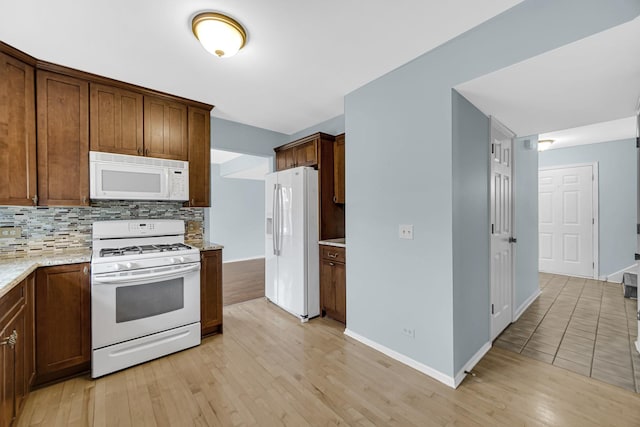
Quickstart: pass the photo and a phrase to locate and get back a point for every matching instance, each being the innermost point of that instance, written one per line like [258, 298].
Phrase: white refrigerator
[291, 241]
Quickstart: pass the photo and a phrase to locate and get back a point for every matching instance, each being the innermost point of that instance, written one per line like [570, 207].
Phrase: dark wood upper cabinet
[284, 159]
[211, 292]
[17, 133]
[63, 139]
[306, 154]
[303, 152]
[199, 157]
[116, 120]
[338, 169]
[165, 129]
[63, 321]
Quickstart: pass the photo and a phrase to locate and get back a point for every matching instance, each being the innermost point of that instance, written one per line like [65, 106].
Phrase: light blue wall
[617, 172]
[526, 219]
[236, 216]
[245, 139]
[399, 171]
[471, 289]
[334, 126]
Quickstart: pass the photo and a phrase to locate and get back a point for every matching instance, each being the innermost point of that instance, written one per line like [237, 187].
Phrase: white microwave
[121, 177]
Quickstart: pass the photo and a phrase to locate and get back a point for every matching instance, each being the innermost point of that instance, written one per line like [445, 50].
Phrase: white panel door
[291, 268]
[566, 220]
[271, 260]
[501, 228]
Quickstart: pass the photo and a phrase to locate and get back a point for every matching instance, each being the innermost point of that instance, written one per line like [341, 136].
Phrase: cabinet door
[17, 132]
[199, 157]
[211, 292]
[339, 278]
[306, 154]
[30, 331]
[285, 159]
[116, 120]
[7, 378]
[63, 140]
[338, 169]
[327, 287]
[165, 129]
[63, 323]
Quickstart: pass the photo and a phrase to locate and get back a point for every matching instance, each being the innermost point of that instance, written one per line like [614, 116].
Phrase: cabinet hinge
[491, 308]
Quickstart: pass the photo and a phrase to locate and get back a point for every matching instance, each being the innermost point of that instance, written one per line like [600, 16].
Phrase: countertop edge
[337, 245]
[25, 266]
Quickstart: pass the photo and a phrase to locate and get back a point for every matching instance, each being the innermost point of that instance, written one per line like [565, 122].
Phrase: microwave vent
[137, 160]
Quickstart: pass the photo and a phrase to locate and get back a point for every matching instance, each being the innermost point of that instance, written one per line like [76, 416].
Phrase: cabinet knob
[35, 200]
[331, 264]
[85, 270]
[333, 255]
[84, 200]
[146, 151]
[11, 340]
[139, 151]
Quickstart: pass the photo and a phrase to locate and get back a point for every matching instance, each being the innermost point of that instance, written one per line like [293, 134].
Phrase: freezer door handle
[275, 219]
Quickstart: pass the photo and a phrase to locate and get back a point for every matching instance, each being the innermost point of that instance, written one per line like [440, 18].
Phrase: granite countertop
[15, 270]
[204, 245]
[339, 242]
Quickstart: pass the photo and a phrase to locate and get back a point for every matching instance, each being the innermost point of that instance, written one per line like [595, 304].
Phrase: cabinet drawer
[11, 303]
[332, 253]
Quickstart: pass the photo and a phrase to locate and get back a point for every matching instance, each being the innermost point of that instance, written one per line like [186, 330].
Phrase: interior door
[271, 259]
[501, 227]
[566, 220]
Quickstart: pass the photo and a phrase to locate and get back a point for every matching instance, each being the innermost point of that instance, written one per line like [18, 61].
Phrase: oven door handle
[145, 277]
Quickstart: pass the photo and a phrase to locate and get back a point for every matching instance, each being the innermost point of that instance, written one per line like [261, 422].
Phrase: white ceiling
[600, 132]
[301, 58]
[593, 80]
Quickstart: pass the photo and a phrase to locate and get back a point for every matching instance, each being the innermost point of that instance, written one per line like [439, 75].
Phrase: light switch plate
[406, 231]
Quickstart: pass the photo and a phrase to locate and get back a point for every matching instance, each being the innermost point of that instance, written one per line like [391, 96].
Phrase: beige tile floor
[583, 325]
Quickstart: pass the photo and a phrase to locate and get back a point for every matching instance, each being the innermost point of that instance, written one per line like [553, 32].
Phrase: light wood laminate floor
[584, 325]
[242, 281]
[268, 369]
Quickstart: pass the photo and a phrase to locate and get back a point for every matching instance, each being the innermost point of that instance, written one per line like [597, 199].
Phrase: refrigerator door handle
[280, 218]
[275, 219]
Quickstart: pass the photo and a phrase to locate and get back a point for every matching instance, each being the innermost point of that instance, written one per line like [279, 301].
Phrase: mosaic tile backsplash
[55, 229]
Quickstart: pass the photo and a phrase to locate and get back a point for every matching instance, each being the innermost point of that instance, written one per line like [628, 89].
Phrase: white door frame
[493, 121]
[595, 184]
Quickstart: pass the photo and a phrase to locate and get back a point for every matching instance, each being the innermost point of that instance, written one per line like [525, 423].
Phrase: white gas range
[145, 293]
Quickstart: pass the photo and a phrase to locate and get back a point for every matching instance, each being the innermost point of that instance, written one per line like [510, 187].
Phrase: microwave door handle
[145, 277]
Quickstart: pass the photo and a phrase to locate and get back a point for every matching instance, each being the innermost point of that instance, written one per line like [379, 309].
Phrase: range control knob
[128, 265]
[172, 261]
[116, 267]
[181, 259]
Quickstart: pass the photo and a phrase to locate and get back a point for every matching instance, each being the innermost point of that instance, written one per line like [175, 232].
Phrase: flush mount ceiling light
[543, 144]
[220, 35]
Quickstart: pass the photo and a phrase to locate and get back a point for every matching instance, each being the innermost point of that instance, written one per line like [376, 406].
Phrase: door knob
[513, 240]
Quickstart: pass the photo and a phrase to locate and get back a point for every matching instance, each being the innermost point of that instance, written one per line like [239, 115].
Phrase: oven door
[132, 304]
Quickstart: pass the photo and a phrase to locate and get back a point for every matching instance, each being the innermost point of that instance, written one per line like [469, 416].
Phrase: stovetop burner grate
[143, 249]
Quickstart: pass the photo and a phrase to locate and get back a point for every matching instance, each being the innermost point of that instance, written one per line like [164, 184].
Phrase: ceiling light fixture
[544, 144]
[220, 35]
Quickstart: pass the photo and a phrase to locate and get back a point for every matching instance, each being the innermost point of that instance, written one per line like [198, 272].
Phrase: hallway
[583, 325]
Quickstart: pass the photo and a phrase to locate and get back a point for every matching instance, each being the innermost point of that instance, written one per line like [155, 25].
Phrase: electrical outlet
[406, 231]
[10, 232]
[410, 332]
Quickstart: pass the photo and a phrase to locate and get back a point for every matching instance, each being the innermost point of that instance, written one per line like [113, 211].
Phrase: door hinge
[637, 228]
[491, 308]
[493, 148]
[492, 228]
[593, 221]
[638, 142]
[593, 265]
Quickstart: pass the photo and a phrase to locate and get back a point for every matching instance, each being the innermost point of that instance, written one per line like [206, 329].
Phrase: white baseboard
[617, 276]
[243, 259]
[471, 363]
[526, 304]
[433, 373]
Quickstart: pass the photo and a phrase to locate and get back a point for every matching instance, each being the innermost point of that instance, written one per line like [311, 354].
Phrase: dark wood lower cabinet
[333, 280]
[16, 349]
[63, 321]
[211, 292]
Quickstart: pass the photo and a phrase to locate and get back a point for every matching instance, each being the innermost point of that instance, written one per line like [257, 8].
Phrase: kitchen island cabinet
[63, 139]
[17, 132]
[333, 282]
[16, 349]
[211, 292]
[63, 321]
